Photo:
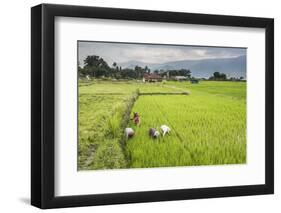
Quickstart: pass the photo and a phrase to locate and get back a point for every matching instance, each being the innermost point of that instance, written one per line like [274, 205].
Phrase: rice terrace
[204, 110]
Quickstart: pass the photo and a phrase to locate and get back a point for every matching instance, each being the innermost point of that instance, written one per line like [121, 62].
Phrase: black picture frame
[43, 105]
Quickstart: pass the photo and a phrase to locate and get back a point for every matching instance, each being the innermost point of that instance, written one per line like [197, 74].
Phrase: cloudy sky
[124, 52]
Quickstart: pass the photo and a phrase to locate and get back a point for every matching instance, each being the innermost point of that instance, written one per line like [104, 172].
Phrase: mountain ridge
[203, 68]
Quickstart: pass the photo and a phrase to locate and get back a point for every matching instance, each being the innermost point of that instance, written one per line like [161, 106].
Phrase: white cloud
[149, 53]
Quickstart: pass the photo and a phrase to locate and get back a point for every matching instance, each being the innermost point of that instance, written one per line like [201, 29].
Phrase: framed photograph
[139, 106]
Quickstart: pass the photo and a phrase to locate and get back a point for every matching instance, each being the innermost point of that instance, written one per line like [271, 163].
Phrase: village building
[153, 77]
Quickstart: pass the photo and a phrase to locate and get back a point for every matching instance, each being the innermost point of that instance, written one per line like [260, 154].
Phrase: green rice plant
[207, 129]
[208, 125]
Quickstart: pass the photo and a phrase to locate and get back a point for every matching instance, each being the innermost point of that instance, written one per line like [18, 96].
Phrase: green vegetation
[218, 88]
[95, 67]
[208, 126]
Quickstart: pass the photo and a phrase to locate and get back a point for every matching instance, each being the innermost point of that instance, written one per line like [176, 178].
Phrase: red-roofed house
[153, 77]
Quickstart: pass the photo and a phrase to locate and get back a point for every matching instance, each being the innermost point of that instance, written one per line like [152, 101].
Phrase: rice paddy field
[207, 121]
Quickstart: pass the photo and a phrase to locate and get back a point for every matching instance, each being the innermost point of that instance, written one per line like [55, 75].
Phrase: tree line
[96, 67]
[217, 76]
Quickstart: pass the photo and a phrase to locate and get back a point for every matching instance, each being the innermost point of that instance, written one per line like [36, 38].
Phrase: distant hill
[232, 67]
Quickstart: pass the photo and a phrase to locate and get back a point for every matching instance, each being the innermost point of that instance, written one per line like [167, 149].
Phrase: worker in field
[136, 119]
[129, 132]
[154, 133]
